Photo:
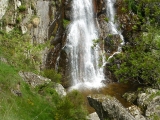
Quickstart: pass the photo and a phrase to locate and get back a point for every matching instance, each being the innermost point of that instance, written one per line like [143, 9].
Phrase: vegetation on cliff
[139, 60]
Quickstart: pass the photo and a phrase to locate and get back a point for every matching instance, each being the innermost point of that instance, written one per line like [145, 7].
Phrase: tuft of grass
[65, 23]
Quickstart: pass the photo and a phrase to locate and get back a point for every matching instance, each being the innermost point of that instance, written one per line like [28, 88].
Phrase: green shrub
[106, 19]
[22, 8]
[140, 61]
[65, 23]
[53, 75]
[71, 107]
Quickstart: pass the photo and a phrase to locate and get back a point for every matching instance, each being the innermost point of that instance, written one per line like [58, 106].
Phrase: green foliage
[53, 75]
[20, 52]
[106, 19]
[140, 61]
[124, 9]
[71, 107]
[65, 23]
[131, 5]
[95, 42]
[22, 8]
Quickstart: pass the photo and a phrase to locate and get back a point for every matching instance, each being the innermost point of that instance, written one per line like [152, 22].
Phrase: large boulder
[33, 79]
[108, 107]
[37, 80]
[60, 89]
[3, 7]
[145, 97]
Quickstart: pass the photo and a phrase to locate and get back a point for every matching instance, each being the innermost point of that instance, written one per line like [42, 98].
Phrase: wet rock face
[111, 43]
[67, 7]
[64, 65]
[110, 76]
[108, 107]
[56, 33]
[127, 21]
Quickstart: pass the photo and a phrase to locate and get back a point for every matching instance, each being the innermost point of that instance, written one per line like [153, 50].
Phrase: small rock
[9, 28]
[24, 29]
[2, 59]
[60, 89]
[18, 3]
[93, 116]
[36, 22]
[16, 92]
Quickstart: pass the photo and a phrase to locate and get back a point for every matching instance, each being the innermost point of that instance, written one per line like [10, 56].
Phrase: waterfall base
[87, 85]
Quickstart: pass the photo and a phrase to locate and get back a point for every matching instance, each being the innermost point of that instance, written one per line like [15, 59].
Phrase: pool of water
[113, 89]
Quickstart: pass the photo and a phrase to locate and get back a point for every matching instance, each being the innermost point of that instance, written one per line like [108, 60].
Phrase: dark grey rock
[108, 107]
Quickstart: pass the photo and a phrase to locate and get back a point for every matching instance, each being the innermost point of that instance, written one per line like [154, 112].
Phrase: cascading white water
[83, 57]
[112, 23]
[111, 17]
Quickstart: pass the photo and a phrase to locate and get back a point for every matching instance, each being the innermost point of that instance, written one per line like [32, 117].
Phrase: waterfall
[84, 59]
[112, 23]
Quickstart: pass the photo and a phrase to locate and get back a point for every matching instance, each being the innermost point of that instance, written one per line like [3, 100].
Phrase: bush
[22, 8]
[65, 23]
[71, 107]
[53, 75]
[139, 62]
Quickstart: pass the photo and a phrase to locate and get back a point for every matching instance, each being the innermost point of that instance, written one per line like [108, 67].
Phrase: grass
[40, 103]
[29, 106]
